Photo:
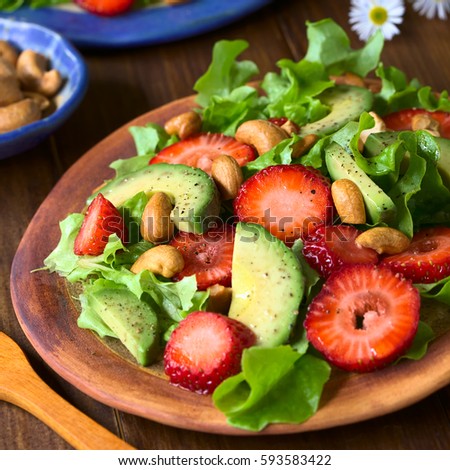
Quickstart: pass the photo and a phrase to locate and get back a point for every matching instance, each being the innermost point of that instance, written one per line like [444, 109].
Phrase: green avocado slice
[347, 103]
[267, 284]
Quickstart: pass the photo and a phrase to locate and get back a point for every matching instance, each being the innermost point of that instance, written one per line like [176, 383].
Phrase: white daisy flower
[368, 16]
[432, 8]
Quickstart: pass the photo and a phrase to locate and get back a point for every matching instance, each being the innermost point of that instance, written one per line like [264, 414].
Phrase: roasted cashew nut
[32, 72]
[8, 53]
[10, 91]
[184, 125]
[261, 134]
[18, 114]
[6, 69]
[164, 260]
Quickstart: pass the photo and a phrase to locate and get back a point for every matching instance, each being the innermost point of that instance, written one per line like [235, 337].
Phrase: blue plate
[151, 25]
[64, 57]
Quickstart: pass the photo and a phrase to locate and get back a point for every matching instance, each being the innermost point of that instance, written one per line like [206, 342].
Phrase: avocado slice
[378, 141]
[340, 165]
[192, 192]
[133, 321]
[267, 284]
[444, 162]
[347, 103]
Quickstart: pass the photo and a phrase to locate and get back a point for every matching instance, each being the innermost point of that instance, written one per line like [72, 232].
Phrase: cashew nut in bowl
[10, 91]
[18, 114]
[42, 101]
[6, 69]
[34, 76]
[8, 52]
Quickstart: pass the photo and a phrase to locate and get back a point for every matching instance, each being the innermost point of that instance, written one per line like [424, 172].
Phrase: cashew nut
[164, 260]
[349, 202]
[290, 127]
[348, 78]
[8, 52]
[32, 72]
[227, 174]
[6, 69]
[384, 240]
[42, 101]
[10, 91]
[219, 299]
[373, 84]
[184, 125]
[425, 122]
[262, 134]
[304, 145]
[18, 114]
[379, 126]
[156, 223]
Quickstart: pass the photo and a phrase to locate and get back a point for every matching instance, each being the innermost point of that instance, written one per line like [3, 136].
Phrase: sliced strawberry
[427, 258]
[205, 349]
[364, 318]
[105, 7]
[288, 200]
[102, 219]
[329, 248]
[209, 255]
[200, 150]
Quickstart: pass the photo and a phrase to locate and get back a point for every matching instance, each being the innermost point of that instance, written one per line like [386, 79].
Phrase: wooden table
[127, 83]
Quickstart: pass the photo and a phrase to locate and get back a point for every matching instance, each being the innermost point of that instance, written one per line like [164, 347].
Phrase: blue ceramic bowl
[64, 57]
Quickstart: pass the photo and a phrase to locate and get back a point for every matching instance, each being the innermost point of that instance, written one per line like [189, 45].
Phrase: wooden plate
[47, 313]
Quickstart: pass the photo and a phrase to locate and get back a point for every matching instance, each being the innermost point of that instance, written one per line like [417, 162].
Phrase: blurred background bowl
[62, 56]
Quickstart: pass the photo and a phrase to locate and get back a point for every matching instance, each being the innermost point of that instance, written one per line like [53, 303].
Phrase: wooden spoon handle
[72, 425]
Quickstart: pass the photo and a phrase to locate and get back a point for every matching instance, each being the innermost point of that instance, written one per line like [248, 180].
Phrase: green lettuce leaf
[292, 92]
[419, 346]
[439, 291]
[329, 44]
[150, 139]
[398, 92]
[251, 399]
[225, 73]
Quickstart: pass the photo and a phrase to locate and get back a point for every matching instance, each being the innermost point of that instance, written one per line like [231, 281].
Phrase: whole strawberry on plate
[105, 7]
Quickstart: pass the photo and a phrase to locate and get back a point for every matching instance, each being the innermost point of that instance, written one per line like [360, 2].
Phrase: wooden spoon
[21, 386]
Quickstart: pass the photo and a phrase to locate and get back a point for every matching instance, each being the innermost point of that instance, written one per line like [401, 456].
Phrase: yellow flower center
[378, 15]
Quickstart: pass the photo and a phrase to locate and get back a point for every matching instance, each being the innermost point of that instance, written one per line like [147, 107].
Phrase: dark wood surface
[127, 83]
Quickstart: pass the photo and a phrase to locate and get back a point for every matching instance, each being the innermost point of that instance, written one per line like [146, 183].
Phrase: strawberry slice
[364, 318]
[200, 150]
[427, 258]
[288, 200]
[205, 349]
[105, 7]
[209, 256]
[329, 248]
[102, 219]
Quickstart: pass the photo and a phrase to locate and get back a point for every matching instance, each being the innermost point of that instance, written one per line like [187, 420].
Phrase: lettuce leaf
[329, 44]
[251, 399]
[292, 92]
[398, 92]
[225, 73]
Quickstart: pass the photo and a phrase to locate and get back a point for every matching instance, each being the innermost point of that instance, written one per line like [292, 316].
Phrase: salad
[279, 231]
